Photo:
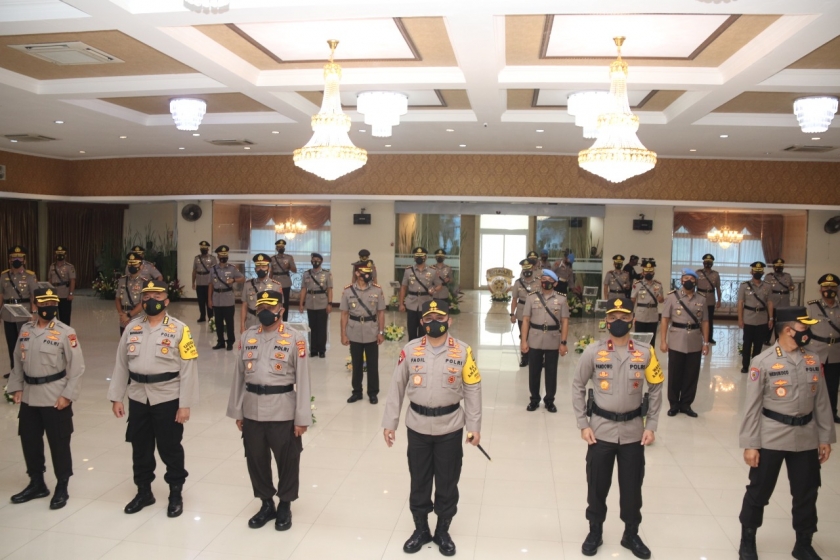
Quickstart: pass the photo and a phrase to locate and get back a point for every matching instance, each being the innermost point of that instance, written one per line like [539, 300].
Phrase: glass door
[503, 243]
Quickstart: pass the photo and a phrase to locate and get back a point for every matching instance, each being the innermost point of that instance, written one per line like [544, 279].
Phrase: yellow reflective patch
[470, 373]
[187, 346]
[653, 373]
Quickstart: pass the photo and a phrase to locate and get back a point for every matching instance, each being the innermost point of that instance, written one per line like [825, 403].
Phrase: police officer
[685, 337]
[269, 399]
[781, 283]
[755, 314]
[128, 291]
[787, 418]
[534, 258]
[545, 325]
[202, 263]
[612, 423]
[317, 293]
[147, 269]
[565, 277]
[708, 284]
[62, 275]
[18, 287]
[436, 371]
[418, 285]
[282, 266]
[45, 382]
[156, 365]
[251, 290]
[524, 286]
[220, 296]
[543, 263]
[444, 272]
[617, 282]
[647, 294]
[364, 257]
[363, 329]
[825, 338]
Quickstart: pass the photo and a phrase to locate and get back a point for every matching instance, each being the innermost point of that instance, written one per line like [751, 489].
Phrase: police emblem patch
[781, 391]
[164, 350]
[605, 385]
[754, 374]
[417, 380]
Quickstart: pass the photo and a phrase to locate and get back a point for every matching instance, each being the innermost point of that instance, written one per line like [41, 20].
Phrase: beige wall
[225, 226]
[190, 234]
[794, 240]
[469, 252]
[619, 237]
[348, 239]
[160, 216]
[823, 251]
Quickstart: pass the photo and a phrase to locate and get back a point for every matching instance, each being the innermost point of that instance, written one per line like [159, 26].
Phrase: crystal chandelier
[290, 228]
[382, 110]
[725, 237]
[329, 154]
[585, 106]
[207, 6]
[815, 113]
[187, 113]
[617, 154]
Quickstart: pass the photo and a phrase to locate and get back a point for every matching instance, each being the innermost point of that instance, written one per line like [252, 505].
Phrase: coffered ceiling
[707, 79]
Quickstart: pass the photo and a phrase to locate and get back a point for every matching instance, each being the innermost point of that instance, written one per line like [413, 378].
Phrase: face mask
[267, 317]
[649, 276]
[532, 261]
[527, 274]
[689, 285]
[316, 264]
[262, 273]
[366, 277]
[48, 313]
[436, 329]
[617, 266]
[802, 338]
[439, 259]
[153, 307]
[223, 259]
[829, 294]
[548, 285]
[618, 328]
[133, 269]
[419, 260]
[17, 263]
[707, 265]
[758, 275]
[59, 257]
[281, 250]
[204, 251]
[778, 269]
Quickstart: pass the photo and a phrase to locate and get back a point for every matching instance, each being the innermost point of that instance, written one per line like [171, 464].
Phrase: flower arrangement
[349, 363]
[393, 304]
[9, 397]
[104, 287]
[585, 340]
[740, 348]
[395, 333]
[576, 305]
[455, 303]
[500, 297]
[212, 324]
[176, 290]
[312, 407]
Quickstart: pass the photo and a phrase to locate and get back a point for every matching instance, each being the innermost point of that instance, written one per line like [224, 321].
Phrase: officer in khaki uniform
[316, 294]
[755, 314]
[708, 285]
[617, 282]
[128, 291]
[825, 335]
[534, 258]
[202, 263]
[419, 284]
[363, 330]
[252, 288]
[685, 338]
[787, 419]
[524, 286]
[444, 272]
[269, 399]
[45, 382]
[364, 257]
[647, 294]
[612, 423]
[62, 275]
[782, 284]
[545, 325]
[147, 269]
[282, 266]
[436, 372]
[221, 298]
[18, 287]
[156, 366]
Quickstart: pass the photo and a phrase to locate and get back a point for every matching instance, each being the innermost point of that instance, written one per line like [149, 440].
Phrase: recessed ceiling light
[247, 147]
[14, 141]
[463, 145]
[387, 145]
[539, 147]
[59, 122]
[815, 138]
[275, 132]
[540, 130]
[724, 136]
[82, 151]
[196, 134]
[181, 148]
[692, 150]
[450, 130]
[123, 137]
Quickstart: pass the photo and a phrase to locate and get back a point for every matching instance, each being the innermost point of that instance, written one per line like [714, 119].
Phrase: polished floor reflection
[527, 503]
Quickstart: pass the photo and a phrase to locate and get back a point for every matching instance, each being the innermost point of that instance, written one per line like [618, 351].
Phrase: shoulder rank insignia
[813, 301]
[375, 284]
[778, 351]
[347, 286]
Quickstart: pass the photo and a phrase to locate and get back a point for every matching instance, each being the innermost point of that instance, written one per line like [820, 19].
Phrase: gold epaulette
[32, 272]
[813, 301]
[672, 292]
[377, 285]
[5, 271]
[347, 286]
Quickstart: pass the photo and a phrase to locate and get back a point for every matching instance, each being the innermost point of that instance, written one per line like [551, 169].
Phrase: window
[503, 243]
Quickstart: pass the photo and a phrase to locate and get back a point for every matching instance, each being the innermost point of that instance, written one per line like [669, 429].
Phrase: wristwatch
[562, 343]
[512, 314]
[382, 333]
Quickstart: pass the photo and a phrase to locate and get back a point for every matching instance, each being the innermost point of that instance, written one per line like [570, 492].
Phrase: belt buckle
[545, 328]
[361, 319]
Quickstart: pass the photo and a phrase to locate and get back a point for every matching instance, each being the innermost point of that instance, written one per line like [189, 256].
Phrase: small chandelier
[585, 106]
[290, 228]
[187, 113]
[815, 113]
[382, 110]
[329, 154]
[617, 154]
[725, 237]
[207, 6]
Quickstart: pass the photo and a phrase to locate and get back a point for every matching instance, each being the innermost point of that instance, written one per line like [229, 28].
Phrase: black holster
[590, 402]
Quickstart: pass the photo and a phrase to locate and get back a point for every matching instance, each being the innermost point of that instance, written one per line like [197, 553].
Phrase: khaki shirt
[707, 281]
[539, 317]
[146, 350]
[787, 383]
[618, 282]
[202, 265]
[417, 295]
[618, 375]
[250, 290]
[645, 296]
[281, 266]
[128, 290]
[435, 377]
[26, 283]
[444, 271]
[275, 356]
[40, 352]
[829, 352]
[374, 298]
[679, 338]
[749, 294]
[522, 288]
[59, 275]
[315, 301]
[147, 270]
[782, 285]
[223, 294]
[564, 273]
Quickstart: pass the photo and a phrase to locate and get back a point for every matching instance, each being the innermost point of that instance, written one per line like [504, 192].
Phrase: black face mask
[133, 270]
[758, 275]
[829, 294]
[618, 328]
[366, 278]
[419, 260]
[267, 317]
[262, 273]
[689, 285]
[48, 313]
[153, 307]
[527, 273]
[778, 269]
[281, 250]
[802, 338]
[439, 259]
[316, 264]
[17, 263]
[204, 251]
[617, 266]
[547, 285]
[649, 276]
[223, 259]
[532, 261]
[435, 329]
[707, 265]
[59, 257]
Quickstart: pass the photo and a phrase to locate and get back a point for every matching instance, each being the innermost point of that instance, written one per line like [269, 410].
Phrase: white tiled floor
[528, 503]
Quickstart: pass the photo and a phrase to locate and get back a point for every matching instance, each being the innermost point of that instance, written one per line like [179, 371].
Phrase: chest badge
[605, 385]
[23, 355]
[250, 354]
[638, 374]
[280, 356]
[137, 328]
[249, 366]
[417, 380]
[164, 350]
[781, 391]
[166, 342]
[777, 366]
[451, 380]
[131, 348]
[635, 385]
[278, 367]
[603, 374]
[815, 378]
[780, 382]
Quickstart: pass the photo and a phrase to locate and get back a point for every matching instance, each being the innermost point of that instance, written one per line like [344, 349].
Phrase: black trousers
[523, 357]
[754, 338]
[65, 309]
[648, 327]
[683, 374]
[832, 382]
[224, 322]
[412, 326]
[803, 469]
[201, 296]
[33, 421]
[536, 360]
[11, 330]
[261, 440]
[317, 330]
[361, 352]
[600, 458]
[287, 293]
[711, 309]
[438, 459]
[150, 425]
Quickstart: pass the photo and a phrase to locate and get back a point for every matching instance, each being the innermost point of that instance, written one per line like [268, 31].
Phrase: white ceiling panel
[558, 97]
[34, 10]
[425, 98]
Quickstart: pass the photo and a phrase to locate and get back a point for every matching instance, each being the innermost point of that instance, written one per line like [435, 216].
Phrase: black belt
[197, 272]
[284, 273]
[268, 389]
[17, 300]
[362, 319]
[418, 293]
[59, 284]
[45, 379]
[126, 307]
[616, 416]
[822, 339]
[152, 377]
[705, 291]
[618, 294]
[778, 292]
[252, 311]
[789, 420]
[521, 300]
[317, 292]
[433, 412]
[686, 326]
[222, 289]
[546, 328]
[646, 305]
[756, 309]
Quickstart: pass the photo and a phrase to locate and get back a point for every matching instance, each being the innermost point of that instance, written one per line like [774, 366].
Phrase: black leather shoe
[322, 354]
[267, 513]
[374, 400]
[176, 501]
[230, 347]
[201, 320]
[673, 411]
[747, 550]
[143, 498]
[422, 535]
[523, 363]
[219, 346]
[593, 539]
[803, 550]
[836, 419]
[354, 397]
[283, 522]
[743, 370]
[35, 489]
[7, 375]
[634, 544]
[532, 407]
[551, 407]
[59, 499]
[688, 412]
[442, 538]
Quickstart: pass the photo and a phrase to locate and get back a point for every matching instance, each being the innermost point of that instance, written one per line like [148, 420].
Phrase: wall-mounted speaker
[361, 219]
[642, 225]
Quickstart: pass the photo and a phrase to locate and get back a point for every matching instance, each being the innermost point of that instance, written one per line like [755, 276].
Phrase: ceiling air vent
[67, 54]
[231, 142]
[28, 138]
[810, 149]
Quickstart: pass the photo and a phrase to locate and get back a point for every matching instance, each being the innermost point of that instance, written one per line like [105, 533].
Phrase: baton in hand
[470, 438]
